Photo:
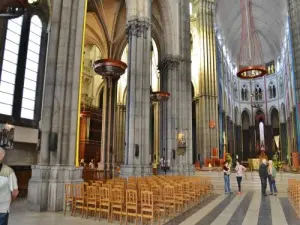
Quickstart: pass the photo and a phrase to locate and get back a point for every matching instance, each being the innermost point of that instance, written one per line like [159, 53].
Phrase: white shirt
[8, 183]
[240, 170]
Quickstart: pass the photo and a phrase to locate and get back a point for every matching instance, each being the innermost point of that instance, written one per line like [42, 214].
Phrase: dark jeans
[239, 181]
[263, 181]
[4, 218]
[272, 184]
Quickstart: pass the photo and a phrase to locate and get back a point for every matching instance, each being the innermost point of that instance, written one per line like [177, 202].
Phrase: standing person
[271, 178]
[263, 174]
[8, 189]
[240, 169]
[163, 165]
[226, 170]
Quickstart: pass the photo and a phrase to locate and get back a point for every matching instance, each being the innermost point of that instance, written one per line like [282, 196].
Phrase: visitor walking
[240, 169]
[263, 174]
[271, 178]
[226, 170]
[8, 189]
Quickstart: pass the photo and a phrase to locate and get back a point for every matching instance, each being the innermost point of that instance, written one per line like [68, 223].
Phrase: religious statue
[181, 141]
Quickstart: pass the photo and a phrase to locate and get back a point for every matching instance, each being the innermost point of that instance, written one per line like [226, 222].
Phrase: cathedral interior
[111, 89]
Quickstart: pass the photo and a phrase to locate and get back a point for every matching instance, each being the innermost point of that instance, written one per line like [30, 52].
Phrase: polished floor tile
[250, 208]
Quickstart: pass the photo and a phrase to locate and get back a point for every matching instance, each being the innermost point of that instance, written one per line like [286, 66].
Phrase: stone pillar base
[189, 170]
[46, 186]
[38, 187]
[136, 170]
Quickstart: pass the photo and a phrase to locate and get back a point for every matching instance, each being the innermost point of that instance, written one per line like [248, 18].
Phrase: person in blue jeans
[271, 178]
[226, 171]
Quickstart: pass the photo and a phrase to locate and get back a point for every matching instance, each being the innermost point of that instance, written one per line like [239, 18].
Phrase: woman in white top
[240, 169]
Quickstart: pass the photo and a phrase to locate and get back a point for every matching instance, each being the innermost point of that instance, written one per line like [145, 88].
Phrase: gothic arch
[274, 117]
[283, 113]
[167, 25]
[100, 88]
[245, 119]
[270, 114]
[236, 116]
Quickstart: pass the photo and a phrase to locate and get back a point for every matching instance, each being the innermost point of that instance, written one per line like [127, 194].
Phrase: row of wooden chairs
[294, 194]
[142, 198]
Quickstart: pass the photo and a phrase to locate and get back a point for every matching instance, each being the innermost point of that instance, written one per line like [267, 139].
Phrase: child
[240, 169]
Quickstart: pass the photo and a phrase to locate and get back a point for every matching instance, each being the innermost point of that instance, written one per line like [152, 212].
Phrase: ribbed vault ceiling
[269, 18]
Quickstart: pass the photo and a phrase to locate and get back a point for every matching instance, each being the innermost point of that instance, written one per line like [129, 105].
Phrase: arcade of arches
[58, 113]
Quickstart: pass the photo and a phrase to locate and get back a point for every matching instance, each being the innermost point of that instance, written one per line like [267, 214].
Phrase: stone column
[207, 107]
[283, 141]
[108, 149]
[294, 13]
[137, 148]
[60, 109]
[120, 133]
[169, 69]
[185, 86]
[156, 138]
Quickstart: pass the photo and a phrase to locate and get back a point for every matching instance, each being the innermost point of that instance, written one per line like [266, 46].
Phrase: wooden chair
[179, 199]
[169, 199]
[91, 200]
[158, 201]
[117, 199]
[131, 204]
[79, 198]
[147, 207]
[104, 202]
[69, 198]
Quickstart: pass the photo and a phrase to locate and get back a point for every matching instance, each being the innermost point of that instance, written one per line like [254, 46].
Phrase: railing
[92, 174]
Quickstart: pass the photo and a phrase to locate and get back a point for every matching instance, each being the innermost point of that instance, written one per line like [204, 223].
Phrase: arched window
[272, 90]
[31, 69]
[258, 93]
[235, 90]
[244, 93]
[22, 71]
[281, 85]
[10, 65]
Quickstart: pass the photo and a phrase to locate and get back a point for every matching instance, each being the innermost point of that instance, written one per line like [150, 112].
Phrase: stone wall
[22, 154]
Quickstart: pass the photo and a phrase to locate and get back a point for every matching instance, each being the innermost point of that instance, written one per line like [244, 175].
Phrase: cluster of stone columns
[137, 133]
[294, 13]
[56, 165]
[207, 100]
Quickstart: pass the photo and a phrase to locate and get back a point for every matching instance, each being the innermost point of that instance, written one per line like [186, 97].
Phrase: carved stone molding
[86, 99]
[138, 27]
[169, 63]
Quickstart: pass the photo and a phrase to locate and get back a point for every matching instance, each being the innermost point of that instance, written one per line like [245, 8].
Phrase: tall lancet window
[22, 70]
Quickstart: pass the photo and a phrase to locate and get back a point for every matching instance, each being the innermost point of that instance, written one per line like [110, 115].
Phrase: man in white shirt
[8, 189]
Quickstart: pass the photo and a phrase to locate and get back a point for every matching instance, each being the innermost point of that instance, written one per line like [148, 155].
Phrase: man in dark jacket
[263, 174]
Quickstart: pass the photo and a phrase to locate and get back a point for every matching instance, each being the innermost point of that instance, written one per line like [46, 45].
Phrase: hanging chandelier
[11, 9]
[251, 61]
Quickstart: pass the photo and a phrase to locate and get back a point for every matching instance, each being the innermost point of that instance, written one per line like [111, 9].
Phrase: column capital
[170, 62]
[138, 27]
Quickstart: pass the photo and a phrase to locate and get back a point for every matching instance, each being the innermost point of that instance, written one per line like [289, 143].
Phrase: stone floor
[246, 209]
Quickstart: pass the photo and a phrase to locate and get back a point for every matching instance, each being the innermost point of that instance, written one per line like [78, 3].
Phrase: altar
[254, 163]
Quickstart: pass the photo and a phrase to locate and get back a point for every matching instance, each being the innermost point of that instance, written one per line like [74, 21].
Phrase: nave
[246, 209]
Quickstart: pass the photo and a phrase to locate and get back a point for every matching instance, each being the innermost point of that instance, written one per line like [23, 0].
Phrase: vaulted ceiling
[269, 19]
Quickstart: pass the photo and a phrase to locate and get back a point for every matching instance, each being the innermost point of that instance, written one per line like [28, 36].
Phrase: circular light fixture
[251, 72]
[33, 2]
